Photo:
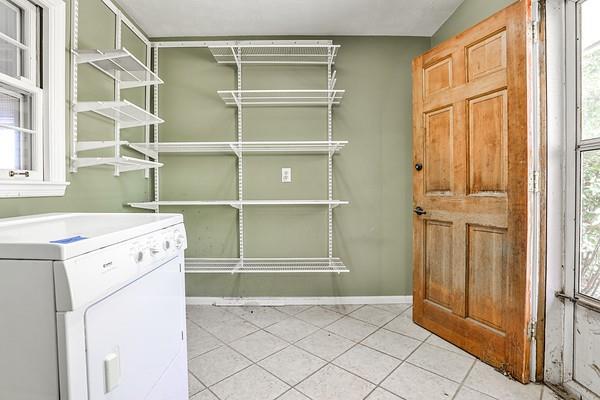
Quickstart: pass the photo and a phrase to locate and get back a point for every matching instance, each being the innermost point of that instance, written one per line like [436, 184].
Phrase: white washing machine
[92, 306]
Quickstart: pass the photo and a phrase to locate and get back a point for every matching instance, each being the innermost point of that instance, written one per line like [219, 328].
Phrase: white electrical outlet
[286, 175]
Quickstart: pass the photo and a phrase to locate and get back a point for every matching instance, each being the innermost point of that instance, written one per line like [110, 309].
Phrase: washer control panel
[156, 246]
[90, 276]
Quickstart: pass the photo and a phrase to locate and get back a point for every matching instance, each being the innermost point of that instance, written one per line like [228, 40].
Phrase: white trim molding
[32, 189]
[297, 301]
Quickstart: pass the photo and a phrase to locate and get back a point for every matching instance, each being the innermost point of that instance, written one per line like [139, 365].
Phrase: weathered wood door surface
[471, 181]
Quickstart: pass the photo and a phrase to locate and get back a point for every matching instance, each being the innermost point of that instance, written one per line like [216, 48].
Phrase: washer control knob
[139, 256]
[179, 239]
[167, 245]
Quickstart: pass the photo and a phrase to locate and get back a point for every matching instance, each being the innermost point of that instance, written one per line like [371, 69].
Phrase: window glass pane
[589, 247]
[590, 69]
[10, 25]
[15, 146]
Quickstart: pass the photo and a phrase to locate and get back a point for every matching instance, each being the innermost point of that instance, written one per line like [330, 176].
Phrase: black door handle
[420, 211]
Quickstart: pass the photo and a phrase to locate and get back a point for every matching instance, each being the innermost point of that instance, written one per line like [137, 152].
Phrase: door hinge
[532, 329]
[534, 182]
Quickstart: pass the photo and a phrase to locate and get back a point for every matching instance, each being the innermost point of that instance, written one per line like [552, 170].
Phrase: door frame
[562, 208]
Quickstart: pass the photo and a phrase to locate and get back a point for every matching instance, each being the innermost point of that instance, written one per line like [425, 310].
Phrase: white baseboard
[297, 301]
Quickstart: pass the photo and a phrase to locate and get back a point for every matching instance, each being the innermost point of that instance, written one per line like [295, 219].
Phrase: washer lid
[66, 235]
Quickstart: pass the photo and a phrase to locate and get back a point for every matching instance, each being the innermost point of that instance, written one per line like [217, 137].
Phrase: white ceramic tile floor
[333, 353]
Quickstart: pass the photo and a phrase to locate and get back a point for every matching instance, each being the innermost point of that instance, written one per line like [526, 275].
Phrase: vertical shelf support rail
[74, 80]
[155, 131]
[240, 138]
[331, 85]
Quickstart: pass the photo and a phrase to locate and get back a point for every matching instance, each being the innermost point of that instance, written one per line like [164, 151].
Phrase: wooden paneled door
[470, 228]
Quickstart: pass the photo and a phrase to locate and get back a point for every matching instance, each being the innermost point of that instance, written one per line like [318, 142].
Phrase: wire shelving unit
[121, 66]
[276, 52]
[237, 148]
[126, 114]
[154, 205]
[264, 265]
[270, 98]
[238, 54]
[127, 72]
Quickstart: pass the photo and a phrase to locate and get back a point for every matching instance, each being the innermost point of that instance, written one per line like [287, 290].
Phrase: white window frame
[48, 175]
[563, 197]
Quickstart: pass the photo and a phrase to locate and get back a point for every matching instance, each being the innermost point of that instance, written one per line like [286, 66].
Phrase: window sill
[17, 189]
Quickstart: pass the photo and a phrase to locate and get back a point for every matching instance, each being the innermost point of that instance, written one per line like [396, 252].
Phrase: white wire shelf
[264, 265]
[120, 65]
[154, 205]
[98, 144]
[262, 147]
[300, 52]
[124, 163]
[309, 97]
[127, 114]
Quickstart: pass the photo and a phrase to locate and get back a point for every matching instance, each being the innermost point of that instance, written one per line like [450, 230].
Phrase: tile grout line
[394, 370]
[462, 383]
[327, 362]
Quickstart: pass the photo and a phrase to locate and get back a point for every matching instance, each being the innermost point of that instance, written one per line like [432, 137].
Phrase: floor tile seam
[228, 376]
[463, 383]
[401, 312]
[395, 369]
[360, 320]
[383, 352]
[296, 341]
[405, 335]
[466, 355]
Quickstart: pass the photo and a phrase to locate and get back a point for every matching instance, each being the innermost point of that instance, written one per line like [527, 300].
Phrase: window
[32, 97]
[588, 149]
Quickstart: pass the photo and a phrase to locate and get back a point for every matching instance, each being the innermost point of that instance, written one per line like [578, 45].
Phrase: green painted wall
[469, 13]
[94, 189]
[372, 235]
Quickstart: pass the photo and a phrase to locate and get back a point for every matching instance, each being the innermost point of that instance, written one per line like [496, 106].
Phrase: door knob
[418, 166]
[420, 211]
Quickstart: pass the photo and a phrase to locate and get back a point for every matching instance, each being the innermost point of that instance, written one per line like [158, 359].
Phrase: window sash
[36, 172]
[27, 39]
[583, 146]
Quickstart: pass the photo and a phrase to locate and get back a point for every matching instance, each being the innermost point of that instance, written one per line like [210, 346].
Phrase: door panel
[438, 151]
[438, 262]
[486, 269]
[438, 77]
[488, 139]
[486, 56]
[471, 135]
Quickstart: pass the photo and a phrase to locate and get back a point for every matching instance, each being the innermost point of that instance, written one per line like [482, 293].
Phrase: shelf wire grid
[317, 54]
[265, 265]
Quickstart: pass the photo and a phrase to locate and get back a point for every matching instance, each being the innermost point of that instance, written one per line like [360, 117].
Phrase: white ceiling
[171, 18]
